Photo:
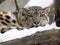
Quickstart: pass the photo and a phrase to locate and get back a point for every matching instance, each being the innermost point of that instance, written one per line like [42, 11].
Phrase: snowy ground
[14, 33]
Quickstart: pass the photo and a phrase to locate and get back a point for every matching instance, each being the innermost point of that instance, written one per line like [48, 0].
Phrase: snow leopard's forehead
[34, 7]
[35, 11]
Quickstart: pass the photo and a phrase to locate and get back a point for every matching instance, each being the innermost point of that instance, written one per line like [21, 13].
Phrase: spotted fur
[8, 21]
[26, 18]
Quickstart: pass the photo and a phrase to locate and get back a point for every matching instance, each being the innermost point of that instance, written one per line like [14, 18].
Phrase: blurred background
[9, 5]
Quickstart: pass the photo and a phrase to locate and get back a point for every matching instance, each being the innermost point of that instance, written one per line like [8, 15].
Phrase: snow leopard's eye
[42, 12]
[29, 15]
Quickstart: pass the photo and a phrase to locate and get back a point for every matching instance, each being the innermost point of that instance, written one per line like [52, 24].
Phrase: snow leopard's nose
[36, 23]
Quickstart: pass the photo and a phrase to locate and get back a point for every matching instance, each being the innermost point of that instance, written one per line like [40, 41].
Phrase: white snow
[14, 33]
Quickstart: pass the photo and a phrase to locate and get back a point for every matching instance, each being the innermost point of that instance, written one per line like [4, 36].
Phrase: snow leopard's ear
[47, 10]
[23, 11]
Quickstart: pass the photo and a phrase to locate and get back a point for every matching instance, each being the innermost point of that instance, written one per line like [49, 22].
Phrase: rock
[52, 14]
[50, 37]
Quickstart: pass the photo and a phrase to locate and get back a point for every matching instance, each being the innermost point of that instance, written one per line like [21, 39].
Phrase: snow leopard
[29, 17]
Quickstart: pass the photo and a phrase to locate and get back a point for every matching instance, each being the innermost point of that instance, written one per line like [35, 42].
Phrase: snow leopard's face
[34, 16]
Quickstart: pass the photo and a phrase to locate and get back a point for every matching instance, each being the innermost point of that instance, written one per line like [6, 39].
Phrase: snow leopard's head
[33, 16]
